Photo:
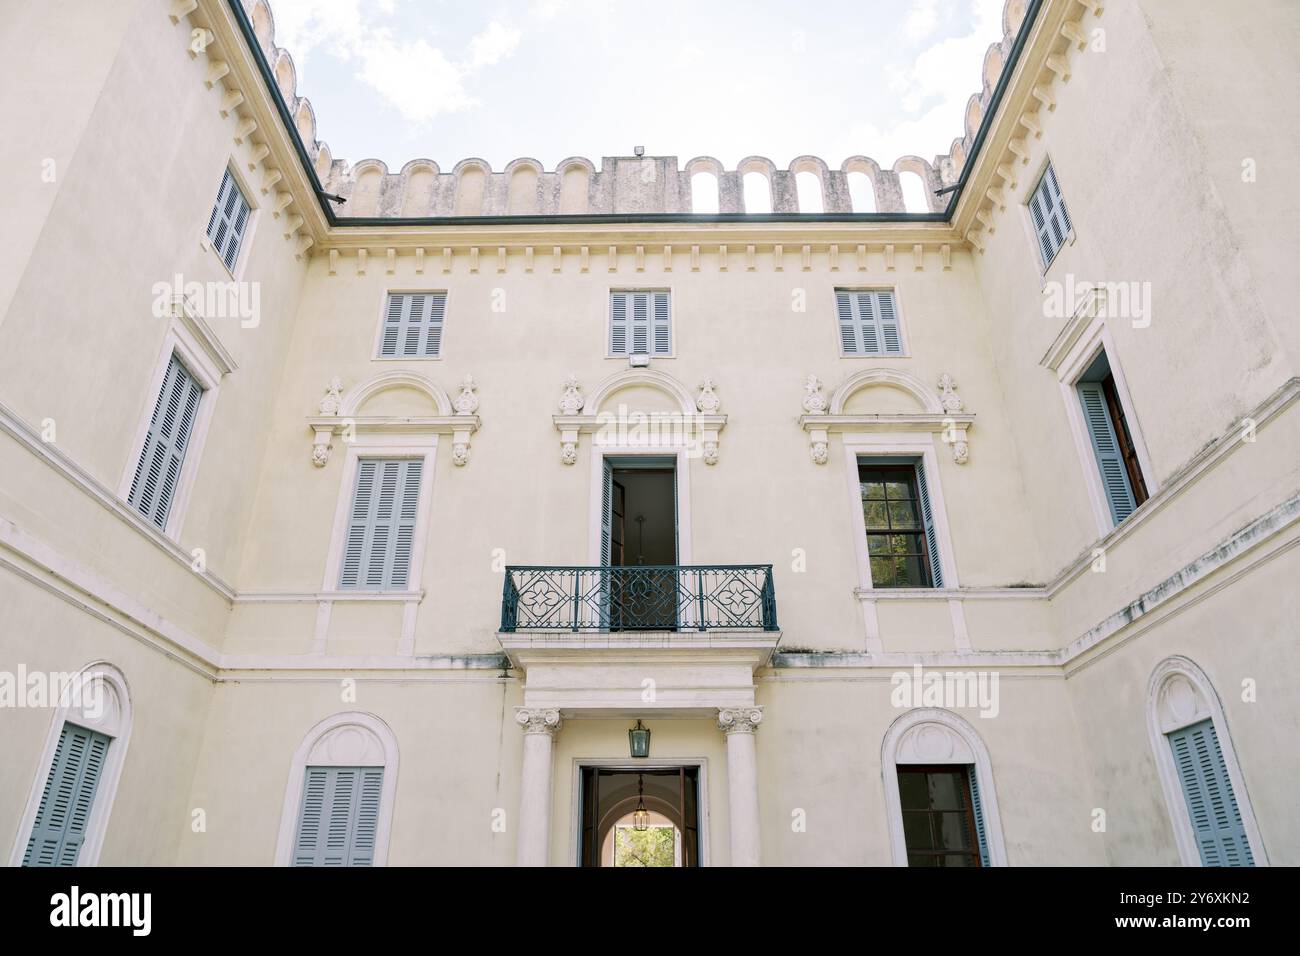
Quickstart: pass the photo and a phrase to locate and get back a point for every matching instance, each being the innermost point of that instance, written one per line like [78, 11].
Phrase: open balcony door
[639, 533]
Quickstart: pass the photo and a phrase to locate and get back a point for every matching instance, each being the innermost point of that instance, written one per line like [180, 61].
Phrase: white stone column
[739, 724]
[540, 726]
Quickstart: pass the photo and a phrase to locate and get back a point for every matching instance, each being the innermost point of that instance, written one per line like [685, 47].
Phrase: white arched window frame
[1179, 694]
[351, 739]
[103, 704]
[933, 736]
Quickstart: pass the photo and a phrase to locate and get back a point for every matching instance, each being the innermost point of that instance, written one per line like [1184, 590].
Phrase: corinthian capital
[538, 720]
[739, 720]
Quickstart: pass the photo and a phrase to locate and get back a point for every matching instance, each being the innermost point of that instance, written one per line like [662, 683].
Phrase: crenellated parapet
[626, 185]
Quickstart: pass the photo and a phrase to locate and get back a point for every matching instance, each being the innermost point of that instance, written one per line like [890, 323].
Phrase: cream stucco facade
[235, 659]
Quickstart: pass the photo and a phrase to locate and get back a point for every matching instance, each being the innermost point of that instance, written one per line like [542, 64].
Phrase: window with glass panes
[939, 817]
[896, 533]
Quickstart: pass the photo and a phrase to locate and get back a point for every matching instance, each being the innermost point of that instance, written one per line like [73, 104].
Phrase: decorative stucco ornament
[708, 402]
[572, 402]
[466, 402]
[814, 400]
[332, 403]
[948, 396]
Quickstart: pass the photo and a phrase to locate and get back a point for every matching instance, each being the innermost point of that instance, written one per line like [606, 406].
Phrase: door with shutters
[1207, 790]
[67, 798]
[339, 816]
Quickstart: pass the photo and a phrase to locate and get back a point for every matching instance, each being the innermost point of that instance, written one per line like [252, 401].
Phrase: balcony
[641, 599]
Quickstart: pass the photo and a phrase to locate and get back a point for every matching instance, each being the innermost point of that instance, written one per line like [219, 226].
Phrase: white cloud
[921, 19]
[416, 78]
[492, 45]
[935, 89]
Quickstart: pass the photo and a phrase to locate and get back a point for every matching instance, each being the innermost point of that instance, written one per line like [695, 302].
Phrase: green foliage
[652, 847]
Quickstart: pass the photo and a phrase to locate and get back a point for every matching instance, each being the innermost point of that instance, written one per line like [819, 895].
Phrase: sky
[404, 79]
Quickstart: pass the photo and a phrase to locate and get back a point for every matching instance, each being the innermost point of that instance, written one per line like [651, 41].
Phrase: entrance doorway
[639, 533]
[612, 835]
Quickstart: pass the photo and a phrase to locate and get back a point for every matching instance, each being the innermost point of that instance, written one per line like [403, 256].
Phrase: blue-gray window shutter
[640, 323]
[977, 806]
[618, 325]
[1051, 219]
[228, 220]
[413, 325]
[381, 524]
[931, 533]
[60, 827]
[868, 323]
[339, 816]
[662, 321]
[606, 537]
[1114, 476]
[158, 470]
[1211, 804]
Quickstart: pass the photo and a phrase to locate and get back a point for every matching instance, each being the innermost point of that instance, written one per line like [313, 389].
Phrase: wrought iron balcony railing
[639, 598]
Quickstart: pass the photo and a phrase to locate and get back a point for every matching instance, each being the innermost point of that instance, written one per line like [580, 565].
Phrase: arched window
[72, 796]
[913, 192]
[862, 193]
[758, 193]
[939, 782]
[704, 193]
[1209, 807]
[809, 188]
[338, 806]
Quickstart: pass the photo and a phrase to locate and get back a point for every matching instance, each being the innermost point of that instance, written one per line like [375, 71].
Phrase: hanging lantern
[638, 741]
[640, 816]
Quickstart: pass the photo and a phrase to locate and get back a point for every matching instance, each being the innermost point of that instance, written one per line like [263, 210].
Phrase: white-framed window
[338, 804]
[412, 325]
[869, 324]
[904, 541]
[382, 517]
[640, 323]
[1112, 452]
[1049, 216]
[229, 220]
[72, 793]
[1209, 806]
[940, 798]
[381, 524]
[159, 477]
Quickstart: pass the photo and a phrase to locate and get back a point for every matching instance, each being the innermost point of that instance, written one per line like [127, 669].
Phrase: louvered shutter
[868, 323]
[1110, 462]
[977, 808]
[640, 323]
[381, 525]
[66, 801]
[931, 533]
[606, 538]
[1051, 219]
[663, 334]
[158, 470]
[339, 817]
[229, 219]
[618, 324]
[1211, 803]
[413, 325]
